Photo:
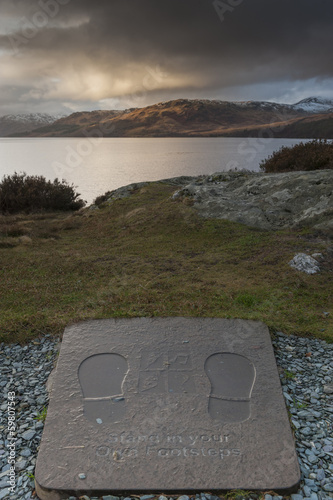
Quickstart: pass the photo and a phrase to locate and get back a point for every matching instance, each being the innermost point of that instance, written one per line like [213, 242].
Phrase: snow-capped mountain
[314, 105]
[14, 124]
[308, 105]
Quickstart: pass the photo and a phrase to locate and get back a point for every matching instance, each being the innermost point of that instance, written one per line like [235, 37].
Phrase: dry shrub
[313, 155]
[23, 193]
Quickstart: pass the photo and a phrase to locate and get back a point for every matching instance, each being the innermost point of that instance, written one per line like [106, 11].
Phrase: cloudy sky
[70, 55]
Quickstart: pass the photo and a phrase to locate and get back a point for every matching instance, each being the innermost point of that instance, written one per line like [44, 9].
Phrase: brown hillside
[181, 117]
[194, 118]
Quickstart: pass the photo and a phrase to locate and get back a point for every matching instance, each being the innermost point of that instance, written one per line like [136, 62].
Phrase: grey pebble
[307, 491]
[28, 435]
[328, 487]
[312, 459]
[306, 431]
[3, 493]
[25, 452]
[20, 465]
[306, 397]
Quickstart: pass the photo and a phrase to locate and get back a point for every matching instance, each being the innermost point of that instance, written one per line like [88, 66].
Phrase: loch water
[97, 165]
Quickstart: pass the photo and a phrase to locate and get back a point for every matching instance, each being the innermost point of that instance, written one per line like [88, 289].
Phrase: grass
[149, 256]
[289, 375]
[41, 416]
[234, 494]
[299, 405]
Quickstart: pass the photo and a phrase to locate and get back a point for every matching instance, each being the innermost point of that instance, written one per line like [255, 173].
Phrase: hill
[199, 118]
[24, 123]
[319, 126]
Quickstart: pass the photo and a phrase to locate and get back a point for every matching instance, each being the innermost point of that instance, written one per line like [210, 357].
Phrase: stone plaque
[165, 405]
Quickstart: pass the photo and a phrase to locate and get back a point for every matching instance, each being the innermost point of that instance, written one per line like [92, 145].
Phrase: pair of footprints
[231, 376]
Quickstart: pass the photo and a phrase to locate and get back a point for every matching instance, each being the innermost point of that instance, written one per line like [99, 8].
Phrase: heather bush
[313, 155]
[23, 193]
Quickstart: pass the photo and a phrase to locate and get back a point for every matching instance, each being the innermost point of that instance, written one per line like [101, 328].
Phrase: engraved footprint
[232, 379]
[101, 378]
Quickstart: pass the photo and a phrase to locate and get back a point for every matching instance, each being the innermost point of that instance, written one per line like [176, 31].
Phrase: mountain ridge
[197, 118]
[315, 104]
[25, 122]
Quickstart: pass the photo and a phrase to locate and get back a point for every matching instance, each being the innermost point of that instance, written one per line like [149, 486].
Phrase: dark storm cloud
[92, 51]
[191, 31]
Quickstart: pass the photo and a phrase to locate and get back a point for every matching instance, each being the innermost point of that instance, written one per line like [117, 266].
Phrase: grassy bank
[149, 256]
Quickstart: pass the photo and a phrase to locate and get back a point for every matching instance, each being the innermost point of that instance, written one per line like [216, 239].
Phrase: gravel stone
[307, 397]
[26, 452]
[28, 435]
[328, 487]
[320, 474]
[307, 491]
[21, 465]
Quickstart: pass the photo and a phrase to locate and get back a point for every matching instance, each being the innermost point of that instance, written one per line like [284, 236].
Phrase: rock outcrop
[265, 201]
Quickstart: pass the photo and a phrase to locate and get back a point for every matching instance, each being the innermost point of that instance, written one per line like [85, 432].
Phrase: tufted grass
[149, 256]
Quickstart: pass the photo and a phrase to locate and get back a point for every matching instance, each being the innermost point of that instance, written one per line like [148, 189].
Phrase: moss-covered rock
[266, 201]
